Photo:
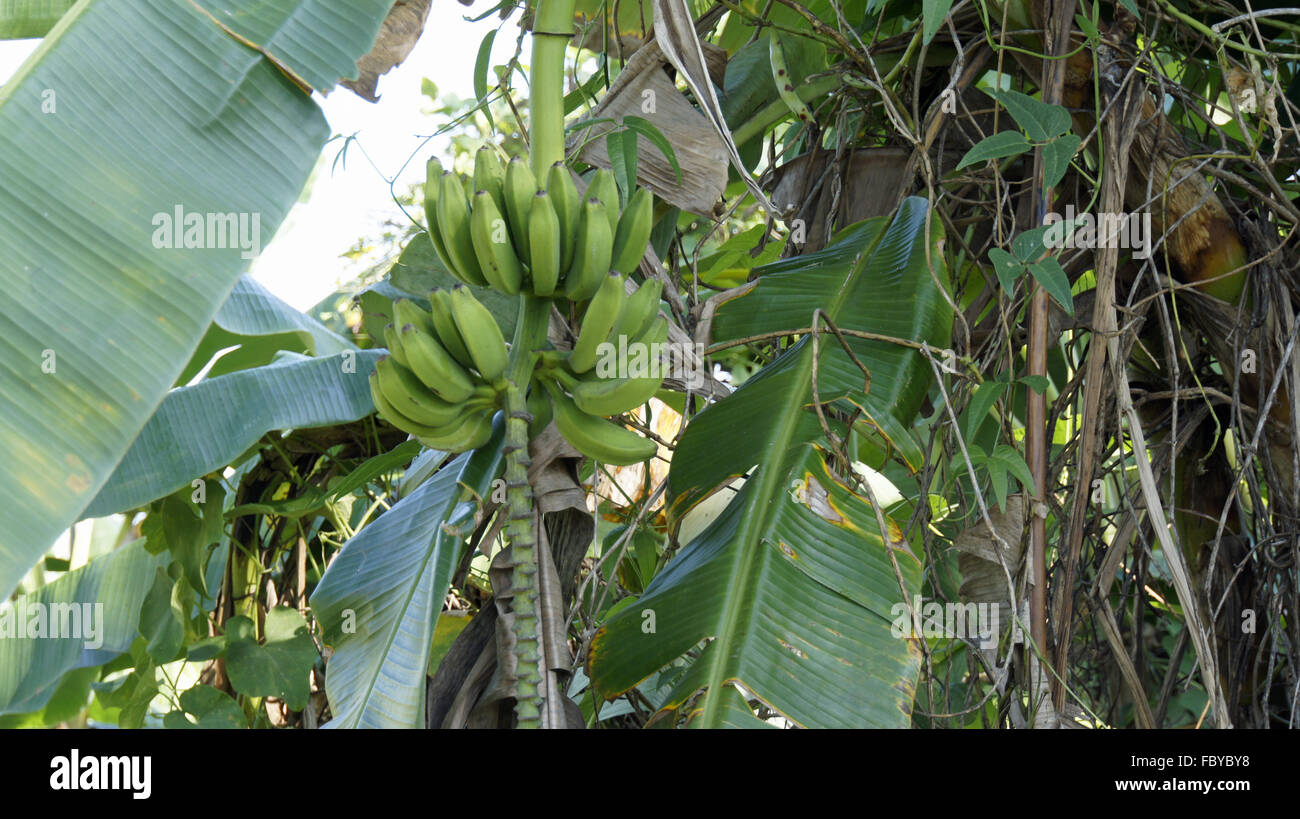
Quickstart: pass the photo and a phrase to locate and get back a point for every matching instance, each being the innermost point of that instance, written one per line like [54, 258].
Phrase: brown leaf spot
[792, 649]
[813, 495]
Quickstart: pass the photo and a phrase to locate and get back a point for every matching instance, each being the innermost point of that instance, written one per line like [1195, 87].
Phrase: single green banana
[482, 336]
[602, 396]
[407, 312]
[471, 433]
[604, 187]
[393, 341]
[445, 327]
[545, 242]
[490, 176]
[432, 187]
[453, 221]
[568, 208]
[409, 396]
[395, 417]
[633, 233]
[611, 396]
[598, 438]
[520, 188]
[641, 307]
[492, 246]
[594, 249]
[433, 365]
[602, 313]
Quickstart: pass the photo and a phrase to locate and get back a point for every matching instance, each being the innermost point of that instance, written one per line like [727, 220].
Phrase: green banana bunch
[583, 395]
[424, 388]
[597, 438]
[497, 229]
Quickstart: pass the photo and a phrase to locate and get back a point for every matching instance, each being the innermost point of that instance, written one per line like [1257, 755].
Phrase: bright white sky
[303, 263]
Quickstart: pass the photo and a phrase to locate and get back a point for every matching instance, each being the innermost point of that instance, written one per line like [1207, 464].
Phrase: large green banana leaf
[791, 589]
[203, 428]
[317, 42]
[892, 292]
[114, 585]
[30, 18]
[261, 325]
[129, 112]
[379, 600]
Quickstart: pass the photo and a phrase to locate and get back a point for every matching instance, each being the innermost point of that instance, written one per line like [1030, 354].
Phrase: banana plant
[787, 594]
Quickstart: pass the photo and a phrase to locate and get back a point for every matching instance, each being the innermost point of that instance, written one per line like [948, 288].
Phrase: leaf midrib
[758, 508]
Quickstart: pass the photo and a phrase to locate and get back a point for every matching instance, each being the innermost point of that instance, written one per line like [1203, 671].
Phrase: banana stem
[552, 28]
[530, 335]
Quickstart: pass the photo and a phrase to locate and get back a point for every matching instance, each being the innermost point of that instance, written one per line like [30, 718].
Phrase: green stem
[552, 27]
[530, 335]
